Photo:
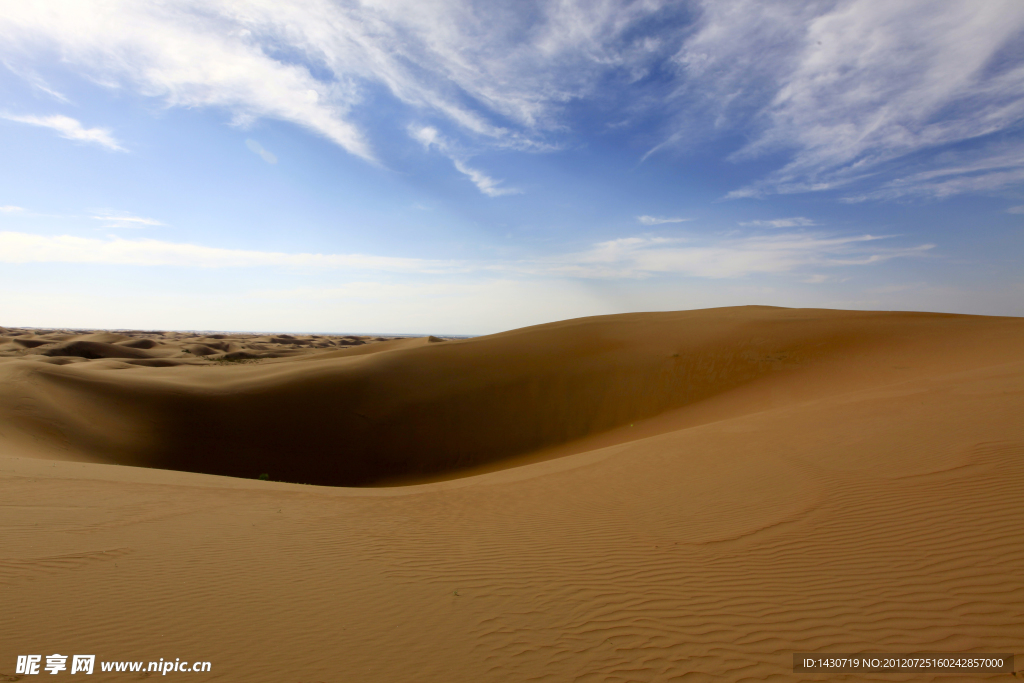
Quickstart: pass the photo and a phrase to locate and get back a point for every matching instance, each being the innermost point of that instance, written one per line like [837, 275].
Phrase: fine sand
[685, 496]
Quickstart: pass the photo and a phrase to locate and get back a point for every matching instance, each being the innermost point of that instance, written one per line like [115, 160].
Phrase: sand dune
[646, 497]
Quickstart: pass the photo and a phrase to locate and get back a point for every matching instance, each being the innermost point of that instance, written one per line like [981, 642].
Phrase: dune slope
[352, 418]
[856, 487]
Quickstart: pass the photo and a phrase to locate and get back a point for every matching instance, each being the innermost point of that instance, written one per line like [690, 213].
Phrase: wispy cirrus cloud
[1016, 209]
[19, 247]
[847, 88]
[492, 72]
[628, 257]
[640, 257]
[485, 183]
[37, 82]
[654, 220]
[985, 170]
[69, 128]
[795, 222]
[430, 138]
[116, 219]
[11, 209]
[256, 148]
[844, 89]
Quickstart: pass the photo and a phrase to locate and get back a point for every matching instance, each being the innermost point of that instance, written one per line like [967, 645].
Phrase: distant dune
[644, 497]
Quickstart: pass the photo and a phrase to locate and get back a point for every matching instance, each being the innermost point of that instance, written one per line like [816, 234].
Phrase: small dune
[94, 349]
[31, 343]
[199, 349]
[140, 344]
[102, 337]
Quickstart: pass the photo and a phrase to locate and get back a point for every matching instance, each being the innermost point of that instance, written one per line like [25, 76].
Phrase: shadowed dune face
[414, 409]
[93, 349]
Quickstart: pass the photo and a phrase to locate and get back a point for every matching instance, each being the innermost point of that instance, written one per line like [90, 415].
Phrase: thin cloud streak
[630, 257]
[486, 184]
[258, 149]
[981, 171]
[123, 220]
[36, 81]
[654, 220]
[70, 129]
[430, 138]
[16, 247]
[795, 222]
[642, 257]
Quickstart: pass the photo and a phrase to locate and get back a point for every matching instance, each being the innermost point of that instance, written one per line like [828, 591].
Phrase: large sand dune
[644, 497]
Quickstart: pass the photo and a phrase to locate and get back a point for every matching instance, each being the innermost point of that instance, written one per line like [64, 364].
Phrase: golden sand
[681, 496]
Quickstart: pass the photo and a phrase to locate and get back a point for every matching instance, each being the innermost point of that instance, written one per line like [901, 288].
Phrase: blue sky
[469, 167]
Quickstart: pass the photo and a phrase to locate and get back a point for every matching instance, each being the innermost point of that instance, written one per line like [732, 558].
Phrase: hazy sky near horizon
[448, 166]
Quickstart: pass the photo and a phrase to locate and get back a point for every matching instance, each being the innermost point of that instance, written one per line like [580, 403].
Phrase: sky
[461, 167]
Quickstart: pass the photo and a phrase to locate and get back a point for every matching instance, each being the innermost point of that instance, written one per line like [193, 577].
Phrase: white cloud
[795, 222]
[69, 128]
[195, 54]
[258, 149]
[113, 219]
[847, 88]
[982, 183]
[10, 209]
[17, 247]
[630, 257]
[491, 70]
[1016, 209]
[486, 184]
[653, 220]
[431, 139]
[639, 257]
[428, 137]
[36, 81]
[983, 170]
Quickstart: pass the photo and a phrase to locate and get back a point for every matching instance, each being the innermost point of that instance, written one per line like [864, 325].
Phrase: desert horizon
[638, 497]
